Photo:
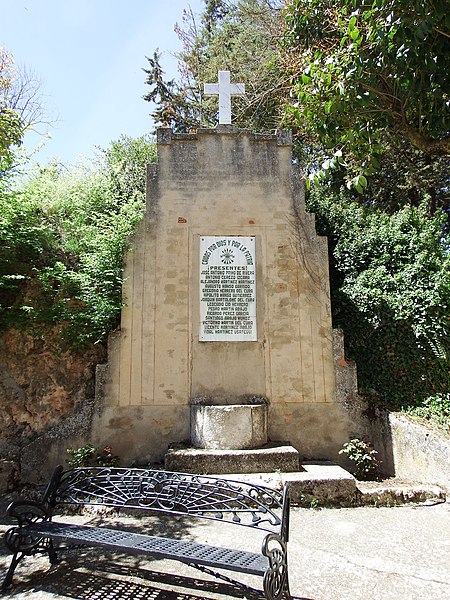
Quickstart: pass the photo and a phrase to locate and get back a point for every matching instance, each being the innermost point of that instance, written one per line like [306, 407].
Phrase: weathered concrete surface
[261, 460]
[315, 484]
[368, 553]
[324, 484]
[412, 450]
[334, 554]
[396, 492]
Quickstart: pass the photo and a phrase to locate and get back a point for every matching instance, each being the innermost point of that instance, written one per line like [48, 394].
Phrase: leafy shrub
[90, 456]
[363, 455]
[435, 409]
[63, 235]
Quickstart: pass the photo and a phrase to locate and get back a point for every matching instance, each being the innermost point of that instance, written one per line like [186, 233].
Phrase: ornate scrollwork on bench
[276, 584]
[201, 496]
[165, 491]
[17, 538]
[20, 541]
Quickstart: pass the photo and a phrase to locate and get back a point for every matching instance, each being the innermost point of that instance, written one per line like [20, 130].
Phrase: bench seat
[159, 547]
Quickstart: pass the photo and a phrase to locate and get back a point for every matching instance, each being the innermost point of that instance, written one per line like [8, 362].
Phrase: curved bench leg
[23, 543]
[17, 557]
[7, 582]
[276, 582]
[53, 557]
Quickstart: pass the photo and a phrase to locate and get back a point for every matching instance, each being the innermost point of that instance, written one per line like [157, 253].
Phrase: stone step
[323, 484]
[316, 484]
[326, 484]
[272, 457]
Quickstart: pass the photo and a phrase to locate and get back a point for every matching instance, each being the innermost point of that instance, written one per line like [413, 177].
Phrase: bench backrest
[169, 492]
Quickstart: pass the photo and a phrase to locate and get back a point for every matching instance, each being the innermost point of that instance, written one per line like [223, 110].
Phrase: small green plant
[309, 501]
[435, 409]
[363, 454]
[314, 502]
[90, 456]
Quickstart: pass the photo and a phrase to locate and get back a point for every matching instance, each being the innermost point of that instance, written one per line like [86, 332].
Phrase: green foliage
[362, 453]
[309, 501]
[11, 131]
[90, 456]
[390, 283]
[314, 502]
[436, 410]
[240, 36]
[365, 73]
[371, 97]
[125, 166]
[408, 176]
[11, 124]
[63, 236]
[175, 107]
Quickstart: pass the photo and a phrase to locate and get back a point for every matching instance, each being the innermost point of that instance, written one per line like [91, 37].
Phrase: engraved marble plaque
[227, 289]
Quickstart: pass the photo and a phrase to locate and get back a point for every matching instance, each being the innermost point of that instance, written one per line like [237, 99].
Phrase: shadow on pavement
[108, 580]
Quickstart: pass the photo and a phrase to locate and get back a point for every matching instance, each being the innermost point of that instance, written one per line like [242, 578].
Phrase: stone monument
[227, 305]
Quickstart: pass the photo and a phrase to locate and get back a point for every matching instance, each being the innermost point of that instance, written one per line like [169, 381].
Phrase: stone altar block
[227, 299]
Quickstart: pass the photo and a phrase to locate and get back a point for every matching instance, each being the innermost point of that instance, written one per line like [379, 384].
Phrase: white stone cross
[224, 89]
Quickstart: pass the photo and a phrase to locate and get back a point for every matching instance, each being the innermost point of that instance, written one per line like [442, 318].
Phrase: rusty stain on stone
[121, 423]
[343, 362]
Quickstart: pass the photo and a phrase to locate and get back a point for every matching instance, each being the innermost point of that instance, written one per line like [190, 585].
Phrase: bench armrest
[276, 582]
[27, 512]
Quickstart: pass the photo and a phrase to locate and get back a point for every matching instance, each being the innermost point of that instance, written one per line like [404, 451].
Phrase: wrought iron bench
[218, 499]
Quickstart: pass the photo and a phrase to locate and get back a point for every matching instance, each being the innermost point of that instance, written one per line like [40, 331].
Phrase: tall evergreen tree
[241, 37]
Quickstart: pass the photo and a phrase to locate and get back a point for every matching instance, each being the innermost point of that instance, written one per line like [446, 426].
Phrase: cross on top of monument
[224, 89]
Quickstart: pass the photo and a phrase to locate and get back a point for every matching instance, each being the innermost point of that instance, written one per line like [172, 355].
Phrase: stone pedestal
[229, 427]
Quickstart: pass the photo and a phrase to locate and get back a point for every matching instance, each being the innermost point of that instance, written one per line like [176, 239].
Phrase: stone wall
[412, 450]
[44, 395]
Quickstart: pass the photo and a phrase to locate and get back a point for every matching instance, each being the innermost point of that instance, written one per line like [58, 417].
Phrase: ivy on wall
[390, 282]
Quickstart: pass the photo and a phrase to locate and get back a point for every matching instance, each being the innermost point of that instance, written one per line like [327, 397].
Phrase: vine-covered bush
[63, 234]
[390, 282]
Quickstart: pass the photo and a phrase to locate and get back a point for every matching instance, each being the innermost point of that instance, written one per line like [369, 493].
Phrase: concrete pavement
[365, 553]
